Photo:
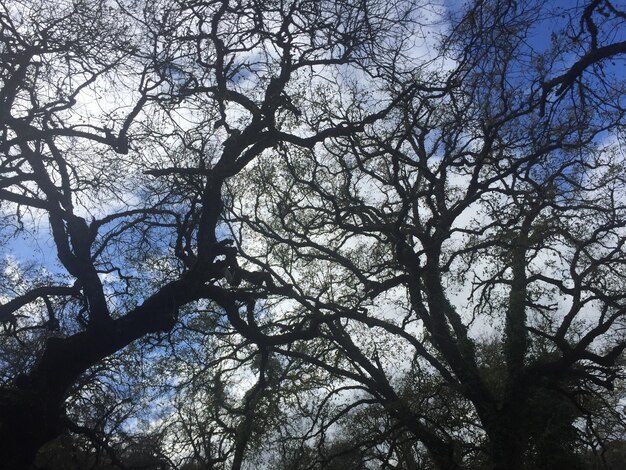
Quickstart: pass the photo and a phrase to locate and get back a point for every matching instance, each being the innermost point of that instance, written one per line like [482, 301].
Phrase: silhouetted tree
[311, 234]
[121, 123]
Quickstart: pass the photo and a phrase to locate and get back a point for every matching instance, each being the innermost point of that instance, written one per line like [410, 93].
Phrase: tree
[474, 205]
[121, 124]
[289, 218]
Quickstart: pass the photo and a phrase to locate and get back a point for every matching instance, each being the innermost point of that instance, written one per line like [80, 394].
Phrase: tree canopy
[312, 234]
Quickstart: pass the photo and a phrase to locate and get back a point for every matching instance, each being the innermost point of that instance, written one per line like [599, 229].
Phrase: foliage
[312, 234]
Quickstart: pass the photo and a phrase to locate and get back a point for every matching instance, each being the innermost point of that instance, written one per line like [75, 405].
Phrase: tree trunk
[27, 421]
[507, 446]
[31, 411]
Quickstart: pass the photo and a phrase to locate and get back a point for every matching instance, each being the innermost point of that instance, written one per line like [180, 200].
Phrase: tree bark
[507, 444]
[29, 420]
